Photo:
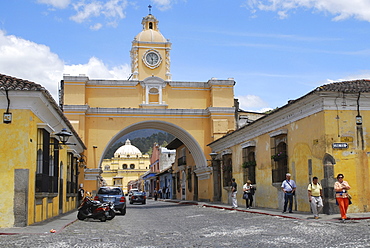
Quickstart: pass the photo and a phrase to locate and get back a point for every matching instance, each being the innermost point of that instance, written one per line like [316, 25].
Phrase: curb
[253, 212]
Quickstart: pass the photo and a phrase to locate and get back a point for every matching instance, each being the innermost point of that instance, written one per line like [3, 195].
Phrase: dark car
[138, 197]
[131, 192]
[114, 195]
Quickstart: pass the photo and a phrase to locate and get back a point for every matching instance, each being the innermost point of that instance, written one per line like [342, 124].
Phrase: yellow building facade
[128, 164]
[321, 134]
[197, 113]
[39, 174]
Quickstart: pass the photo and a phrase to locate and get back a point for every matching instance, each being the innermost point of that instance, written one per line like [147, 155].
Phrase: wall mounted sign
[340, 145]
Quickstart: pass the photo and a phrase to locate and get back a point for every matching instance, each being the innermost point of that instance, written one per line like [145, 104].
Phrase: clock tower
[150, 52]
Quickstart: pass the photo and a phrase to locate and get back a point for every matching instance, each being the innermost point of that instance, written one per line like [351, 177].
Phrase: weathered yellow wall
[354, 161]
[311, 138]
[19, 152]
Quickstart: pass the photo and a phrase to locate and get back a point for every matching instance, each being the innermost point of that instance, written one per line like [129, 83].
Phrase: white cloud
[61, 4]
[112, 10]
[361, 75]
[341, 9]
[252, 103]
[96, 26]
[96, 69]
[35, 62]
[163, 4]
[27, 60]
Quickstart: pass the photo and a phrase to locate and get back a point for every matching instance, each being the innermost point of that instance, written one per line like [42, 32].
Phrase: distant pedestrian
[341, 195]
[155, 195]
[288, 186]
[160, 193]
[248, 189]
[234, 191]
[167, 192]
[315, 197]
[81, 193]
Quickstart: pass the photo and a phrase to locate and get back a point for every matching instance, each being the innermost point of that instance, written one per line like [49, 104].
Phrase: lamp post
[64, 136]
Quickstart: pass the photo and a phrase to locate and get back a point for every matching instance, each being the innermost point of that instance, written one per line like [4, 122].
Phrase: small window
[132, 166]
[153, 91]
[150, 25]
[124, 166]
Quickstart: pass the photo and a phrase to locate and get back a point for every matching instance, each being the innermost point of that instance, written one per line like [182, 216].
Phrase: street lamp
[64, 136]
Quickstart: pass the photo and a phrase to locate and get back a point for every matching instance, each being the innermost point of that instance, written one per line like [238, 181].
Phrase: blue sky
[276, 50]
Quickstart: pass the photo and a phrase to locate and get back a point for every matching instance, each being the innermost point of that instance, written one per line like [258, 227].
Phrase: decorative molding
[46, 126]
[248, 144]
[278, 132]
[203, 173]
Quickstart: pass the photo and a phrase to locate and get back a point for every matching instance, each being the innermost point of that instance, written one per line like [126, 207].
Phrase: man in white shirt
[315, 197]
[288, 186]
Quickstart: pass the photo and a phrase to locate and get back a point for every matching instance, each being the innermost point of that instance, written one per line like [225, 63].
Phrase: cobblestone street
[165, 224]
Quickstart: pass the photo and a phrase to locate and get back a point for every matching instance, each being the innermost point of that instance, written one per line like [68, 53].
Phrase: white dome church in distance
[127, 150]
[128, 164]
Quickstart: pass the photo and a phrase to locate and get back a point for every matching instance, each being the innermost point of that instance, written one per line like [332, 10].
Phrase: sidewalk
[60, 222]
[57, 223]
[276, 212]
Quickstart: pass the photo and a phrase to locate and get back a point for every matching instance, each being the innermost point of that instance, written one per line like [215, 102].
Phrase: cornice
[292, 112]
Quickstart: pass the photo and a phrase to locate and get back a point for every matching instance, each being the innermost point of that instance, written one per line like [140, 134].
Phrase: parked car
[130, 193]
[138, 197]
[114, 195]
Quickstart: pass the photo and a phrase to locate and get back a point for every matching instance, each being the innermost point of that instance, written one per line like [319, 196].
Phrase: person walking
[315, 197]
[288, 186]
[341, 195]
[234, 187]
[248, 189]
[81, 193]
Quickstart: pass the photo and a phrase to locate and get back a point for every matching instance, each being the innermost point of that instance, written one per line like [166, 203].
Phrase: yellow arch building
[102, 111]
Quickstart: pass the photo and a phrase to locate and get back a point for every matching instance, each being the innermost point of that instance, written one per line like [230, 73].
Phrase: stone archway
[328, 185]
[180, 133]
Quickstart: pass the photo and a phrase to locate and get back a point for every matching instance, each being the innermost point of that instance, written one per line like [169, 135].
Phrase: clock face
[152, 58]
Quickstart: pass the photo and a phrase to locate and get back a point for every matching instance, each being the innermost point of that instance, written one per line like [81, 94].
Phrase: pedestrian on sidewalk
[315, 197]
[234, 187]
[248, 189]
[81, 193]
[288, 186]
[341, 195]
[155, 195]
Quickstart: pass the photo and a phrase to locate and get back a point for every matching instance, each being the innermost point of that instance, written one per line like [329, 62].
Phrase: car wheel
[123, 211]
[144, 202]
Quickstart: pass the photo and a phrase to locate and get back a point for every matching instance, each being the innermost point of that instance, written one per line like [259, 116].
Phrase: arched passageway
[178, 132]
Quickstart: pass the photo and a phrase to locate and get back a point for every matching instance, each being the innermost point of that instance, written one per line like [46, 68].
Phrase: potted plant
[278, 156]
[248, 164]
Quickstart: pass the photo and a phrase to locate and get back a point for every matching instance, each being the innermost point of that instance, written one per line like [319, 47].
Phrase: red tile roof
[11, 83]
[354, 86]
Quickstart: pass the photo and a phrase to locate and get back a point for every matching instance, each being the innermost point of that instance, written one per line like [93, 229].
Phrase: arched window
[150, 25]
[107, 167]
[153, 95]
[124, 166]
[132, 166]
[280, 165]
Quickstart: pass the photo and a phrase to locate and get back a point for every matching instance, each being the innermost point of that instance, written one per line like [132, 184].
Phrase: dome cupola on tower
[150, 31]
[127, 150]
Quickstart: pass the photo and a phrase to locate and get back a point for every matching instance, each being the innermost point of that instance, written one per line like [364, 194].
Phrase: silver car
[114, 195]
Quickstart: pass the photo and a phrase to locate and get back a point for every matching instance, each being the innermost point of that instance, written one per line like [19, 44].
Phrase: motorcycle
[95, 210]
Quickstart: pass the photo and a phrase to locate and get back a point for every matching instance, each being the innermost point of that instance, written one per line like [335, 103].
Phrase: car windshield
[109, 191]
